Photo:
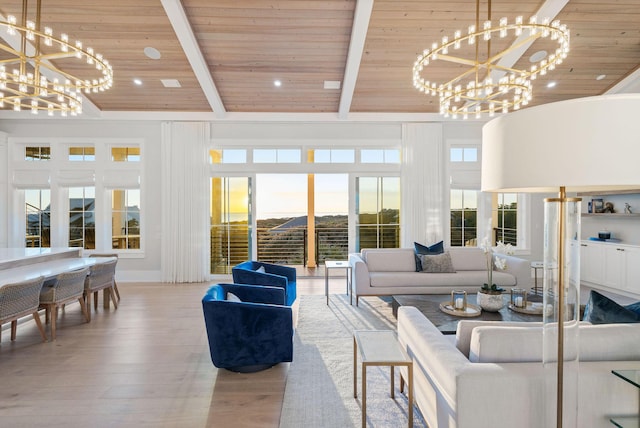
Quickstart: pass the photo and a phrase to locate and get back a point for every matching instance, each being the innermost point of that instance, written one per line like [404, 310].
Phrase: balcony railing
[230, 244]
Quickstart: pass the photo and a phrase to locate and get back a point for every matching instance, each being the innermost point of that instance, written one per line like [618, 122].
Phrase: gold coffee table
[380, 348]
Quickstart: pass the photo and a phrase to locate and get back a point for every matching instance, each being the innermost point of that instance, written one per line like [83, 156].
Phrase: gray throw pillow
[437, 263]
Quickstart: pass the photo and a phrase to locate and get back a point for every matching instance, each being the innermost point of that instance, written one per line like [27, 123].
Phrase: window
[334, 156]
[464, 218]
[125, 220]
[79, 154]
[505, 224]
[378, 212]
[276, 156]
[82, 223]
[225, 156]
[463, 154]
[380, 156]
[38, 217]
[37, 153]
[125, 154]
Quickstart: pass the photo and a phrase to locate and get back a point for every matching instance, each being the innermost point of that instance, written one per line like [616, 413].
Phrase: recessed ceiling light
[332, 84]
[171, 83]
[137, 82]
[551, 85]
[601, 76]
[538, 56]
[152, 53]
[277, 83]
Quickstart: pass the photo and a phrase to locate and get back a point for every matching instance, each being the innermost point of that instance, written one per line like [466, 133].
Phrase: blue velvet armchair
[249, 335]
[273, 275]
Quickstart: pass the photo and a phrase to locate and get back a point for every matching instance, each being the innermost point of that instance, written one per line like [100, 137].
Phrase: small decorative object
[519, 297]
[459, 300]
[589, 207]
[490, 295]
[627, 208]
[608, 208]
[597, 205]
[604, 234]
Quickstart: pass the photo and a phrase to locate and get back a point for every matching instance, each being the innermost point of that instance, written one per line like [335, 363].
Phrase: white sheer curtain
[185, 189]
[422, 214]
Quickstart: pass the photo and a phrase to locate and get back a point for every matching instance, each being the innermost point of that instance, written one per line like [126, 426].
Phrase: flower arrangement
[498, 262]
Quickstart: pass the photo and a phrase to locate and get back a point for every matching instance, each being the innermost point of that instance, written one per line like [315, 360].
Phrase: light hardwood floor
[145, 364]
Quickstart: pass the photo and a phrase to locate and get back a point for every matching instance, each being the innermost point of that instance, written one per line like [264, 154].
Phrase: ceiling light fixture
[551, 85]
[487, 86]
[28, 79]
[137, 82]
[277, 83]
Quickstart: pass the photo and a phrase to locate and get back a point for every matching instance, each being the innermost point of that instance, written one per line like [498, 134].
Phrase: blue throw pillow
[634, 307]
[437, 248]
[602, 310]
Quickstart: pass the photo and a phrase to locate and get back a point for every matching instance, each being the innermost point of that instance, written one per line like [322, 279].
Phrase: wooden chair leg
[54, 317]
[88, 306]
[115, 287]
[106, 296]
[83, 307]
[95, 300]
[36, 317]
[47, 315]
[14, 326]
[112, 295]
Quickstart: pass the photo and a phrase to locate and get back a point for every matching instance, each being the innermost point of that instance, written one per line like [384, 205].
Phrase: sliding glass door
[230, 217]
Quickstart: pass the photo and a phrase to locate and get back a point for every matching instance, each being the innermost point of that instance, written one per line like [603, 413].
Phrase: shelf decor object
[31, 73]
[555, 148]
[490, 81]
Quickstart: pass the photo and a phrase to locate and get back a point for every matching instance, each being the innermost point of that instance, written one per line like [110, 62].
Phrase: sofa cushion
[390, 260]
[437, 248]
[468, 259]
[602, 310]
[437, 263]
[503, 344]
[465, 328]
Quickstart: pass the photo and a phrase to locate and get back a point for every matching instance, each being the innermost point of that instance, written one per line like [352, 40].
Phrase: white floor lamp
[582, 145]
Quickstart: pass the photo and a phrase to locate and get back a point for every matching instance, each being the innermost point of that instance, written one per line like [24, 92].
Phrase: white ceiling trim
[184, 32]
[629, 84]
[361, 20]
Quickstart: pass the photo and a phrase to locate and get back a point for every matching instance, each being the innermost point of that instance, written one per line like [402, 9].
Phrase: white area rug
[319, 389]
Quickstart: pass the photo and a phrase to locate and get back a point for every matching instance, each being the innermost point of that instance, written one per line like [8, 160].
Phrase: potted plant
[489, 296]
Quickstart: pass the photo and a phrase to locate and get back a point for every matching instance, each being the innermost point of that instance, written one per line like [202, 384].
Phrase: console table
[380, 348]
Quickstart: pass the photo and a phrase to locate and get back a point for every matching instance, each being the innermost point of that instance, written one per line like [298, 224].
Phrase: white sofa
[388, 271]
[502, 383]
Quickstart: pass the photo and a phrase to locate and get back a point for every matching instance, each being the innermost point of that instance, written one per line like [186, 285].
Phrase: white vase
[490, 302]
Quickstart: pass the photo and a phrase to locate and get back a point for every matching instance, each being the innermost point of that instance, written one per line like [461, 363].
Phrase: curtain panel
[185, 190]
[422, 184]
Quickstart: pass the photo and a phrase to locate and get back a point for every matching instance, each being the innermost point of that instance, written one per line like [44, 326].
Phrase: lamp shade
[586, 144]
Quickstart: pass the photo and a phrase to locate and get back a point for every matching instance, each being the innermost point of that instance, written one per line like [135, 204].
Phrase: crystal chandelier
[487, 85]
[29, 79]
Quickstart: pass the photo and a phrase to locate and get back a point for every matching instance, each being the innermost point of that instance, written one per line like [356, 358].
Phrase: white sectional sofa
[501, 381]
[388, 271]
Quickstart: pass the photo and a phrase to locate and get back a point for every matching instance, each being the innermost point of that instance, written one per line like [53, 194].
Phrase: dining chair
[18, 300]
[115, 284]
[101, 277]
[67, 287]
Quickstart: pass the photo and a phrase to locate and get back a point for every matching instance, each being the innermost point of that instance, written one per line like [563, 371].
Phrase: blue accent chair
[251, 335]
[274, 275]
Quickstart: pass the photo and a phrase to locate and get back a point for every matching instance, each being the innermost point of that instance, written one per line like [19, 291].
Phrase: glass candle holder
[459, 300]
[519, 297]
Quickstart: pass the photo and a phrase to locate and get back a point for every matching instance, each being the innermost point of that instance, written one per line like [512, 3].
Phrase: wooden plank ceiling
[247, 45]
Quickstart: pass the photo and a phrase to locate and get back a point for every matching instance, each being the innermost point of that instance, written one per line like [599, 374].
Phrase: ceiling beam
[184, 32]
[361, 19]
